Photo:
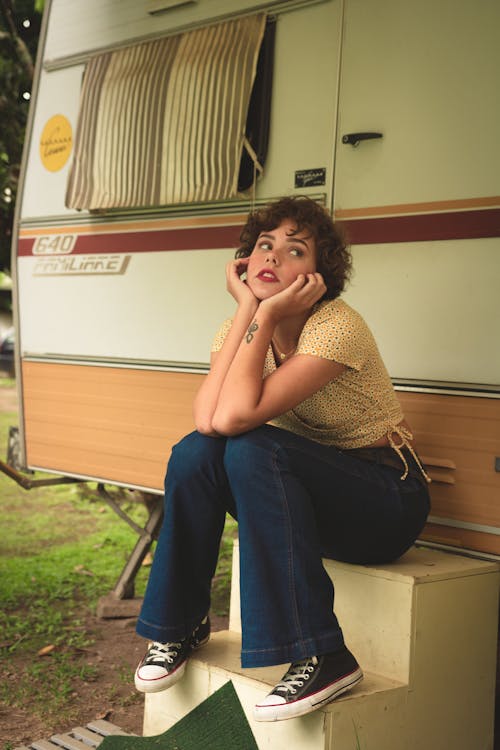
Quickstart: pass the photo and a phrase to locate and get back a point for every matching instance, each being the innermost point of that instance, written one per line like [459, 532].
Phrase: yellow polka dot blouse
[356, 408]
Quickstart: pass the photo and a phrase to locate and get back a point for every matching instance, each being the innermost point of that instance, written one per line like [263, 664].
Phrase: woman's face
[278, 257]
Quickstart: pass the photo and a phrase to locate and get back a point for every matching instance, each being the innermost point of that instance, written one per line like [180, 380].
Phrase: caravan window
[168, 121]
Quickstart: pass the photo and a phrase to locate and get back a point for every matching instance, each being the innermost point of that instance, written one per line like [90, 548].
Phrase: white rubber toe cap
[152, 679]
[150, 672]
[271, 700]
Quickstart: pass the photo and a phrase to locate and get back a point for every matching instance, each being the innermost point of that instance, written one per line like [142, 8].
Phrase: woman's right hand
[236, 286]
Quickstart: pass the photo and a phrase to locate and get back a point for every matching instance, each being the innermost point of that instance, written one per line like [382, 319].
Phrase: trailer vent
[163, 122]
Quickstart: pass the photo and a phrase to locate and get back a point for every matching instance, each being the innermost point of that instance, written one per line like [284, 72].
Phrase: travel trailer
[155, 126]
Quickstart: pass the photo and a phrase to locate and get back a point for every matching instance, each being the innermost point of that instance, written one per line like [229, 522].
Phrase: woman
[300, 436]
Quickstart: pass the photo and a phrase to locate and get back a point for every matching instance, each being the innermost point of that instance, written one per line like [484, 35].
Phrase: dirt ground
[108, 696]
[115, 653]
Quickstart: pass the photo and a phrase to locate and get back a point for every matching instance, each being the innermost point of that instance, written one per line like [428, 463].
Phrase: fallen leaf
[82, 571]
[106, 714]
[148, 560]
[46, 650]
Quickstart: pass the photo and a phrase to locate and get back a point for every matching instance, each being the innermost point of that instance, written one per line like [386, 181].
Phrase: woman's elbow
[202, 417]
[228, 424]
[204, 426]
[204, 429]
[215, 425]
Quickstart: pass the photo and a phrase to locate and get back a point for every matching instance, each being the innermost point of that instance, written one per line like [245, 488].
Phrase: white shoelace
[296, 675]
[160, 652]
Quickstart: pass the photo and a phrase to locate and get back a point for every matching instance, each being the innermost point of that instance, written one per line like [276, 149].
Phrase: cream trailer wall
[116, 309]
[419, 84]
[425, 76]
[165, 306]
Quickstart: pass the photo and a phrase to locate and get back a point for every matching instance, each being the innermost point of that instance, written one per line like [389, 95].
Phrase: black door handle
[354, 139]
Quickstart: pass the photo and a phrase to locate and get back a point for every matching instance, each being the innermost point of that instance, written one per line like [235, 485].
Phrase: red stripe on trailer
[163, 240]
[452, 225]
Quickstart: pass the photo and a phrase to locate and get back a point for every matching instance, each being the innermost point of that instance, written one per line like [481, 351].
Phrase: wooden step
[424, 630]
[367, 708]
[376, 604]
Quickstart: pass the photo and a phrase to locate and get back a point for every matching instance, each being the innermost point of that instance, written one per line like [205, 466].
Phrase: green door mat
[217, 723]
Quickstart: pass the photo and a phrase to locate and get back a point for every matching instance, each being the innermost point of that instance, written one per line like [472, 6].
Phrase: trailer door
[420, 198]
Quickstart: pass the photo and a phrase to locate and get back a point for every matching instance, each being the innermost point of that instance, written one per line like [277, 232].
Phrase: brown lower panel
[119, 425]
[459, 436]
[114, 424]
[463, 538]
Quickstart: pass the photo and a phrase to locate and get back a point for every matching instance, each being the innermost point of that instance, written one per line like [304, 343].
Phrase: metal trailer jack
[121, 602]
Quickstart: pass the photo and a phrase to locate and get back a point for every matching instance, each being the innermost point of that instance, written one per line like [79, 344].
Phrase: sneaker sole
[159, 683]
[281, 711]
[163, 683]
[201, 643]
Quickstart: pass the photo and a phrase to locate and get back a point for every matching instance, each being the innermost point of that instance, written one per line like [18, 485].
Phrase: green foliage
[18, 43]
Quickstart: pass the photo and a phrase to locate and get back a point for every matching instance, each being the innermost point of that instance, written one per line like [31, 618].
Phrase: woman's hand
[297, 298]
[236, 286]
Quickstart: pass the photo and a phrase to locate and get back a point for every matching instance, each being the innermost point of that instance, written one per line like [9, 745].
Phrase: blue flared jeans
[296, 501]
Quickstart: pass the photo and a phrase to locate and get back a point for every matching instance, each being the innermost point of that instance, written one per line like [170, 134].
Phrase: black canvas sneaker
[310, 684]
[164, 663]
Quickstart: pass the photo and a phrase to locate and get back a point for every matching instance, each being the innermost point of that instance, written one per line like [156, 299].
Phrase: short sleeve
[221, 334]
[335, 331]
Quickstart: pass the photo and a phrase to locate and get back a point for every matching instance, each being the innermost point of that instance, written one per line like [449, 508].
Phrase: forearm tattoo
[251, 330]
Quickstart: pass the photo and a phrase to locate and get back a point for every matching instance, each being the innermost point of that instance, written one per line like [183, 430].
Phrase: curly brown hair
[333, 258]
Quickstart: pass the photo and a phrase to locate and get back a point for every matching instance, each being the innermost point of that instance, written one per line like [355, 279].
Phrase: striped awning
[163, 122]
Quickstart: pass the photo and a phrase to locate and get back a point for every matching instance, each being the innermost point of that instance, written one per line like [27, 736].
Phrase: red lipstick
[266, 275]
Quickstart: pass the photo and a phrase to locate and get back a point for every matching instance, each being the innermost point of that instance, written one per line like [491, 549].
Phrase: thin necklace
[282, 355]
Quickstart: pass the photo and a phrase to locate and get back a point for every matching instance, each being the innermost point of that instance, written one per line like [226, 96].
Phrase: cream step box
[424, 630]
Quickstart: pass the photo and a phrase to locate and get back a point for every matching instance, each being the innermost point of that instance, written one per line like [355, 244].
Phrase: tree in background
[19, 31]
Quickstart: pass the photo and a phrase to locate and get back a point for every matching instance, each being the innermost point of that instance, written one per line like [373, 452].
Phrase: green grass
[62, 547]
[221, 586]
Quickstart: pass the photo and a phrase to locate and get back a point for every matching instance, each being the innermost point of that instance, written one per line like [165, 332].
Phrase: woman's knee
[244, 453]
[194, 453]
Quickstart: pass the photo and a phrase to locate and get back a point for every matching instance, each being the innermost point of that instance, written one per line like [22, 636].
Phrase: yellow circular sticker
[56, 143]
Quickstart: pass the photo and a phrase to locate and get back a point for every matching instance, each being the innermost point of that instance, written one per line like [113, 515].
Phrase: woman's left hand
[297, 298]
